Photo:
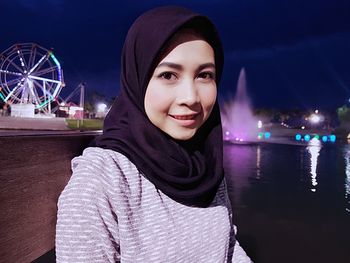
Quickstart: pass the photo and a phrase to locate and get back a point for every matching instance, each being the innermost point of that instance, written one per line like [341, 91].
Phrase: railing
[33, 172]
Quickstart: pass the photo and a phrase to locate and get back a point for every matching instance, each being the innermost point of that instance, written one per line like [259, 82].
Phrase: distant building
[70, 110]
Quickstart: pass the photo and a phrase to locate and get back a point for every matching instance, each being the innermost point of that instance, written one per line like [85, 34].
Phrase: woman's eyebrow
[180, 67]
[206, 65]
[170, 65]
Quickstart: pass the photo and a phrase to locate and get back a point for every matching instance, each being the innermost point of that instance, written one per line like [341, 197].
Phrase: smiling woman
[182, 91]
[153, 188]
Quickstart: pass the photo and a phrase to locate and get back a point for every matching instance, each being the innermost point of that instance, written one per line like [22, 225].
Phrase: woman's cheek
[158, 98]
[210, 97]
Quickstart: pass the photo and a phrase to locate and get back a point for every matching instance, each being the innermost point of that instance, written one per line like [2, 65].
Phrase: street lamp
[101, 110]
[101, 107]
[316, 118]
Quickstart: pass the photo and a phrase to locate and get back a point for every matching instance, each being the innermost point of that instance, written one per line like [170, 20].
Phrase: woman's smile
[185, 120]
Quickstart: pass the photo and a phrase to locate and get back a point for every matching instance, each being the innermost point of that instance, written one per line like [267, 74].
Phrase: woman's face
[182, 90]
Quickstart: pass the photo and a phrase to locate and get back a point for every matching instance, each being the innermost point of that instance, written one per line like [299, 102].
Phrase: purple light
[237, 115]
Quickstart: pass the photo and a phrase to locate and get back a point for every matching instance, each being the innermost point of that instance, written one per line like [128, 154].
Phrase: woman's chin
[182, 135]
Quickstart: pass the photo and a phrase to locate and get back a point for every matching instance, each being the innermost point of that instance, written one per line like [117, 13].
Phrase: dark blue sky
[296, 53]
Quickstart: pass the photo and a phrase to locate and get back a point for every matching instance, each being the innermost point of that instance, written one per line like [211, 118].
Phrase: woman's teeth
[184, 117]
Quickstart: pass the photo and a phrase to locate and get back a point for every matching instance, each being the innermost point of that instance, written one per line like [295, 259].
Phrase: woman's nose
[187, 93]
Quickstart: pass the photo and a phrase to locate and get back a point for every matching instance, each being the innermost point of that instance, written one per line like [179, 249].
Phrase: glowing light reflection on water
[258, 160]
[314, 150]
[347, 179]
[317, 168]
[275, 209]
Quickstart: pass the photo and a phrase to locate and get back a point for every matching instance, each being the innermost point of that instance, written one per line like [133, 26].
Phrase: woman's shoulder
[104, 167]
[103, 162]
[97, 158]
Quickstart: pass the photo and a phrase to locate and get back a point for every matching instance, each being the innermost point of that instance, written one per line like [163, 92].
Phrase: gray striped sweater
[109, 212]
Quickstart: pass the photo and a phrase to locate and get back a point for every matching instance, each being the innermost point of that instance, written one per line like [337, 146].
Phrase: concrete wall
[33, 172]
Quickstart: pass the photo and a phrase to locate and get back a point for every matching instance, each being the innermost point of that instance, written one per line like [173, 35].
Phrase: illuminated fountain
[238, 122]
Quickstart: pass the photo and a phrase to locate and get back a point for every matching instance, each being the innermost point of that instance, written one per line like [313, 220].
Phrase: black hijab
[189, 172]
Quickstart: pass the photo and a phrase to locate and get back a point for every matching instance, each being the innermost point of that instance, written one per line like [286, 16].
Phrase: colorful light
[307, 137]
[38, 75]
[44, 103]
[298, 137]
[324, 138]
[260, 135]
[317, 137]
[267, 135]
[55, 60]
[58, 65]
[101, 107]
[315, 118]
[332, 138]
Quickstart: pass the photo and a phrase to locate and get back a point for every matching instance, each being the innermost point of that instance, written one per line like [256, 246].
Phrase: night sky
[296, 53]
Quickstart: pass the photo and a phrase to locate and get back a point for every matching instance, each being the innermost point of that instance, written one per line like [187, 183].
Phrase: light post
[101, 110]
[316, 118]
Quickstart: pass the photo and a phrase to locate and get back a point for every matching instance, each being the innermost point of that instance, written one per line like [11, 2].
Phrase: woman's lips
[184, 117]
[185, 120]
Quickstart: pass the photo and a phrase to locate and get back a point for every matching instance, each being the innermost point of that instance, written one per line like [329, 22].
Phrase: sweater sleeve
[87, 227]
[239, 255]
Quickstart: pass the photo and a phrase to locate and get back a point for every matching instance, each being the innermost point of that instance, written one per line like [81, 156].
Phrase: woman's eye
[206, 75]
[168, 76]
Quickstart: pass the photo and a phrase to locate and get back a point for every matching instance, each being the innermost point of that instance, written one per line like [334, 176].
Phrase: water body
[291, 203]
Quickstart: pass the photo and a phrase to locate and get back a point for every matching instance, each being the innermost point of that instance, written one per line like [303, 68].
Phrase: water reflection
[267, 169]
[258, 161]
[314, 150]
[347, 179]
[240, 165]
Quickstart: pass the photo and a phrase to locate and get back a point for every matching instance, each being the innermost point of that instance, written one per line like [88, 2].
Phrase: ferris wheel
[30, 74]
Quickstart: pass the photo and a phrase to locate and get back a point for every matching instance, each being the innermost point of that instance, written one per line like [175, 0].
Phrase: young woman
[152, 188]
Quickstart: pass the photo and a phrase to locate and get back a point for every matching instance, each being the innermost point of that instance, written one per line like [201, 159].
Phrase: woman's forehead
[181, 36]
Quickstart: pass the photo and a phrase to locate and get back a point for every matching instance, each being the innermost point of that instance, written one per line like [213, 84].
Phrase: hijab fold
[189, 172]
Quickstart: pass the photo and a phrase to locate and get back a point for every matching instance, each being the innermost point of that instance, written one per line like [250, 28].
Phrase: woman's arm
[87, 228]
[239, 255]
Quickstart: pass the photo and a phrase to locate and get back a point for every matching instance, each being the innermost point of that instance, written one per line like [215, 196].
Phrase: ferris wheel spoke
[19, 85]
[32, 57]
[44, 71]
[35, 96]
[29, 91]
[38, 84]
[45, 79]
[39, 63]
[22, 60]
[54, 90]
[16, 94]
[10, 82]
[11, 72]
[15, 66]
[46, 91]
